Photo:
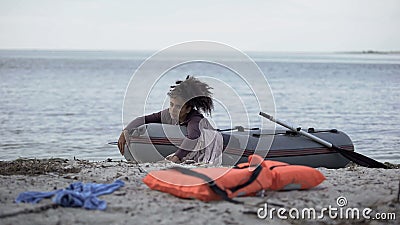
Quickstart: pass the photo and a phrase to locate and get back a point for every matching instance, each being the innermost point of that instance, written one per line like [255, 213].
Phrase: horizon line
[367, 51]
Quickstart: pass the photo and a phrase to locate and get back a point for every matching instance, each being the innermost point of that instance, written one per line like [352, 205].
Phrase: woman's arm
[152, 118]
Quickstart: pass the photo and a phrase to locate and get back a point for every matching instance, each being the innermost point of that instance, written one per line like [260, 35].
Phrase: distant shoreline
[370, 52]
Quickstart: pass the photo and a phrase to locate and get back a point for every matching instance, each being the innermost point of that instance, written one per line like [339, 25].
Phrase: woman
[187, 99]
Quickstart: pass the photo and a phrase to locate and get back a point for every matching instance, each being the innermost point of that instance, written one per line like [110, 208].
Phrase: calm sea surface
[69, 103]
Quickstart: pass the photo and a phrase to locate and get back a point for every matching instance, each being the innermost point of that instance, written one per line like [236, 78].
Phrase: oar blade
[360, 159]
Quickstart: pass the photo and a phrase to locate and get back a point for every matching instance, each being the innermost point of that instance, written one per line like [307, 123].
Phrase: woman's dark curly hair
[195, 94]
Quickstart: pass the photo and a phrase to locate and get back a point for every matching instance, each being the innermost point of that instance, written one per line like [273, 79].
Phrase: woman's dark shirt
[194, 121]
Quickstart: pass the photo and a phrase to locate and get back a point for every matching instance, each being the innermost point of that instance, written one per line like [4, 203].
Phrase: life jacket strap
[252, 178]
[211, 183]
[214, 187]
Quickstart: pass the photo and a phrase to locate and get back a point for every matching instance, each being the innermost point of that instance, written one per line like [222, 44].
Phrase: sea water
[69, 103]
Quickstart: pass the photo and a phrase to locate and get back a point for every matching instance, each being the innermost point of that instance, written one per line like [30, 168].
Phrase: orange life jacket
[245, 179]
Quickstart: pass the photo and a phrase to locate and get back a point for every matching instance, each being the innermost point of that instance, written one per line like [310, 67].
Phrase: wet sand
[135, 203]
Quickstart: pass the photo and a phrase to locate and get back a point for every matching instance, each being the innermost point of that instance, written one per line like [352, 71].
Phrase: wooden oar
[351, 155]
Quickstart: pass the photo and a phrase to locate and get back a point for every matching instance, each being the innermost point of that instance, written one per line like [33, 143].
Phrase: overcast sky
[265, 25]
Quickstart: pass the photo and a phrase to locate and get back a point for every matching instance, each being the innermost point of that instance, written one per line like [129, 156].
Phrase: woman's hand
[173, 158]
[121, 143]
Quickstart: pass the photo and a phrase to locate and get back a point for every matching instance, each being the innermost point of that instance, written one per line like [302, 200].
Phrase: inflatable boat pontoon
[153, 142]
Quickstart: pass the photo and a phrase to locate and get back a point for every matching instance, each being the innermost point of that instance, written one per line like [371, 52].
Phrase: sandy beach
[135, 203]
